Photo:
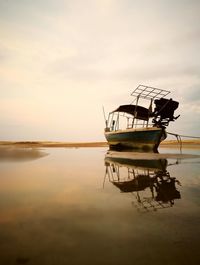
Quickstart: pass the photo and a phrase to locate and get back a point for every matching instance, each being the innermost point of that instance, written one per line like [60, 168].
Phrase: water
[65, 206]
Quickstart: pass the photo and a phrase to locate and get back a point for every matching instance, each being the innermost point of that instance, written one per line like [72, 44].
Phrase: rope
[179, 140]
[185, 136]
[178, 137]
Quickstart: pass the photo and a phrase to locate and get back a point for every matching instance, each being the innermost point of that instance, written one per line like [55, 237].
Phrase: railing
[120, 122]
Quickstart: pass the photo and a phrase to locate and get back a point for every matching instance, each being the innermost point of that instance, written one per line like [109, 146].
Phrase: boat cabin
[149, 108]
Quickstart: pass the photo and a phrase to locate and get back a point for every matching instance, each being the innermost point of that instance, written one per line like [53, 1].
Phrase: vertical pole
[117, 122]
[111, 122]
[135, 112]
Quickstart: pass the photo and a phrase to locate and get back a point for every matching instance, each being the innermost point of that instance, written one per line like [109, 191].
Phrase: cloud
[192, 93]
[54, 55]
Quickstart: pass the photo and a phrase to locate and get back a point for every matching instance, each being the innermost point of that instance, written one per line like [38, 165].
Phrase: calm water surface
[74, 206]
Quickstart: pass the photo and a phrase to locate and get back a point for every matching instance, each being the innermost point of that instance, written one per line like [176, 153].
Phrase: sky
[61, 61]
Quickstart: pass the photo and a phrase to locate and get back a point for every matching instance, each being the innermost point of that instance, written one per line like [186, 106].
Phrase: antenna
[104, 114]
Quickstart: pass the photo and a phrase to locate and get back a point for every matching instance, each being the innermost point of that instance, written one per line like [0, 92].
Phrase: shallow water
[74, 206]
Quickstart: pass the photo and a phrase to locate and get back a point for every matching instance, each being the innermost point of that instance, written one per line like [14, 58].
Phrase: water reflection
[54, 211]
[148, 181]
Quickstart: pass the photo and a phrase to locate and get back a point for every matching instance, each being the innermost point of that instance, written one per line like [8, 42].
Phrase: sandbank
[40, 144]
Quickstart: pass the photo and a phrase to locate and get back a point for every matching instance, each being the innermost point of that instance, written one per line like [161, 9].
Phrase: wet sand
[9, 153]
[29, 150]
[40, 144]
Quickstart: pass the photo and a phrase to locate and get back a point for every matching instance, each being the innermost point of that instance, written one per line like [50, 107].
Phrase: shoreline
[189, 144]
[38, 144]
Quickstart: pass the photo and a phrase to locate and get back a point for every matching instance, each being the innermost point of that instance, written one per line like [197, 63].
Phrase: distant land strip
[31, 144]
[189, 143]
[52, 144]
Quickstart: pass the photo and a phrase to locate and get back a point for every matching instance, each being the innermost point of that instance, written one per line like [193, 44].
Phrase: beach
[191, 143]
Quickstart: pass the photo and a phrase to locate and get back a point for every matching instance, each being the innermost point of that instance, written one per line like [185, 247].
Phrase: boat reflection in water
[147, 180]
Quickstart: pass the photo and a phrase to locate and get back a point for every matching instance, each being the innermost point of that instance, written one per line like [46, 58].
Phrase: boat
[137, 125]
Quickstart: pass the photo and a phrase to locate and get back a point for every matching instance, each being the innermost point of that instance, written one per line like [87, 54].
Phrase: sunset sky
[60, 61]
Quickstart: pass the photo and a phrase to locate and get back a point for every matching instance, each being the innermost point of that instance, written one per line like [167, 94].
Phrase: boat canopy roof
[148, 92]
[138, 112]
